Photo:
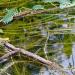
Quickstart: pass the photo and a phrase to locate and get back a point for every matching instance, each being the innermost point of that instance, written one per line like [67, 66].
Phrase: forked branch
[52, 65]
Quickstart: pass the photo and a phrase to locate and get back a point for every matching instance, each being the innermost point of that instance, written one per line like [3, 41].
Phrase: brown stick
[52, 65]
[8, 55]
[33, 12]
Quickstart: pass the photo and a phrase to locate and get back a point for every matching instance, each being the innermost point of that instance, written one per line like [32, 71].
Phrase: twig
[45, 47]
[51, 65]
[29, 54]
[33, 12]
[8, 55]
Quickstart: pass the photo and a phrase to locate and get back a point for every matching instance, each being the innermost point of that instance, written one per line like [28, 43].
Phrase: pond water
[68, 63]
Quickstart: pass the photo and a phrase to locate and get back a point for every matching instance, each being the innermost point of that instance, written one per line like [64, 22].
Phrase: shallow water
[67, 63]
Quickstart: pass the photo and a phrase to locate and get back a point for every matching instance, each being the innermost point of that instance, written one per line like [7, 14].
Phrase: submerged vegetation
[43, 27]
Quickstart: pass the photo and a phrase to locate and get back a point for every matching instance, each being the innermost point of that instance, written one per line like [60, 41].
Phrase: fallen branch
[8, 55]
[34, 12]
[52, 65]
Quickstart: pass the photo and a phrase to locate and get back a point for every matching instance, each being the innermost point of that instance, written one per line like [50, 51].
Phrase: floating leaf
[1, 31]
[9, 16]
[37, 7]
[4, 39]
[50, 1]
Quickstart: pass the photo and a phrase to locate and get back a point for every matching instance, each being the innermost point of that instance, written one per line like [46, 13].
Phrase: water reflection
[68, 63]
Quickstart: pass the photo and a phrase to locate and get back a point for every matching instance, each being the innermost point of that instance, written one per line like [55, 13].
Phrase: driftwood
[34, 12]
[15, 50]
[52, 65]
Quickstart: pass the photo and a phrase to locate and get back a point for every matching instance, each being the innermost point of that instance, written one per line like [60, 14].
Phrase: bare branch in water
[33, 12]
[51, 65]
